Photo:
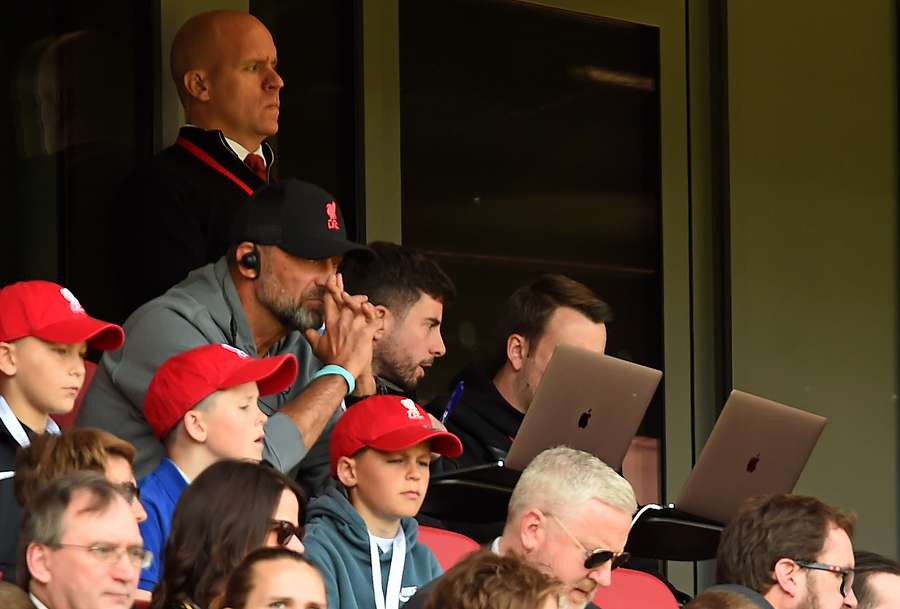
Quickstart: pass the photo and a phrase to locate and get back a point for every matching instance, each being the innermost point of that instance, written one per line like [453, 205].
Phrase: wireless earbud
[250, 260]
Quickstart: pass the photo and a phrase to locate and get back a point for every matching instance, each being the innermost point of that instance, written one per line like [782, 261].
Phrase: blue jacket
[160, 492]
[337, 541]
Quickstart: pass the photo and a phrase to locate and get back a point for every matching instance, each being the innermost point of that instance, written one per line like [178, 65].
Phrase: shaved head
[198, 42]
[224, 67]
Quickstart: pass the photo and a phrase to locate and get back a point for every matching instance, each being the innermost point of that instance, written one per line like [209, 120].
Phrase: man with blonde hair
[569, 516]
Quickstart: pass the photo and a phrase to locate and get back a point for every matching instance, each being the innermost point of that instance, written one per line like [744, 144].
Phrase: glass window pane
[531, 144]
[316, 138]
[76, 118]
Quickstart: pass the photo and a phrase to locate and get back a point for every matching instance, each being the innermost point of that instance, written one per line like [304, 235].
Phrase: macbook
[756, 447]
[588, 401]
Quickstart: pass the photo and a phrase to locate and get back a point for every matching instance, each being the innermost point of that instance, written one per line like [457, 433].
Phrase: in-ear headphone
[250, 260]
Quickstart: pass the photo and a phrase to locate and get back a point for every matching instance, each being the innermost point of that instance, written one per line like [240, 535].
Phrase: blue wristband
[340, 371]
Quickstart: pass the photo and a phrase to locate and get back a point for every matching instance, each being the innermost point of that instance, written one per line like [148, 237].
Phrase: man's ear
[196, 82]
[387, 321]
[195, 426]
[787, 577]
[346, 472]
[244, 248]
[516, 351]
[39, 562]
[532, 530]
[8, 359]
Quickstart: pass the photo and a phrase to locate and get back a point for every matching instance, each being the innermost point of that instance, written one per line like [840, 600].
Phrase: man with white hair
[569, 516]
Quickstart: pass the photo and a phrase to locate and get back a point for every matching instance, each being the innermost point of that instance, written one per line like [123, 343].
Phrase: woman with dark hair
[275, 575]
[230, 509]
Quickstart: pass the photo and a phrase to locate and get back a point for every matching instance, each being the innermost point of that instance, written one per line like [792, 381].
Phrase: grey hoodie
[201, 310]
[337, 541]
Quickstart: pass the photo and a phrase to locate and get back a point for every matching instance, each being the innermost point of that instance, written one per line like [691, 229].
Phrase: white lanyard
[398, 558]
[15, 427]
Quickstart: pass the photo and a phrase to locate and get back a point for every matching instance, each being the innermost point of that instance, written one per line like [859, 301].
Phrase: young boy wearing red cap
[362, 534]
[203, 405]
[44, 335]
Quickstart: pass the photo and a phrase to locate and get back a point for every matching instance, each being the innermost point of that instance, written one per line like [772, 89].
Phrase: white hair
[562, 478]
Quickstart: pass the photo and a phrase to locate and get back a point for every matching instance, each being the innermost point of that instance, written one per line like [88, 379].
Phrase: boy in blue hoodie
[362, 533]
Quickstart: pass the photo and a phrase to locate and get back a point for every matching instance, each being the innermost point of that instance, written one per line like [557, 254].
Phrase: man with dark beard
[409, 292]
[269, 295]
[789, 552]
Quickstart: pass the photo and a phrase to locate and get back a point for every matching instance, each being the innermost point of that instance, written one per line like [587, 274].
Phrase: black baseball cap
[300, 218]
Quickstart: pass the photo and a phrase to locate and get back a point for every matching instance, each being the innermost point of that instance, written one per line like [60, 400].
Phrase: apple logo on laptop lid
[584, 418]
[752, 463]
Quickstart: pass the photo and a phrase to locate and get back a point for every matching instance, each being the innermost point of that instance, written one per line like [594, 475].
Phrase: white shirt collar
[242, 152]
[180, 471]
[495, 546]
[9, 420]
[36, 601]
[239, 150]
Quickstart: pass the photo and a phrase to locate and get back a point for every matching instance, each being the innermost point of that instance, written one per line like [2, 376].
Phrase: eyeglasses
[595, 558]
[846, 573]
[110, 554]
[284, 530]
[129, 490]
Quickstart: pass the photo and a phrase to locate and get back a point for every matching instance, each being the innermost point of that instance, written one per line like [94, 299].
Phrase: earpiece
[250, 260]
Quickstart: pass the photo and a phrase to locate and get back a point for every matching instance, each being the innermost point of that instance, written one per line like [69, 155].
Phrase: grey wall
[812, 89]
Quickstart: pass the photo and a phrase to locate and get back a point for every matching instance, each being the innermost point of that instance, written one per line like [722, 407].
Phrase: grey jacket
[337, 541]
[202, 309]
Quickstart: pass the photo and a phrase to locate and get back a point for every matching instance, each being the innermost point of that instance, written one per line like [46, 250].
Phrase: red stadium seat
[448, 547]
[67, 420]
[631, 589]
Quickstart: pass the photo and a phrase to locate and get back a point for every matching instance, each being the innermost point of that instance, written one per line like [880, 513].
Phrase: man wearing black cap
[269, 295]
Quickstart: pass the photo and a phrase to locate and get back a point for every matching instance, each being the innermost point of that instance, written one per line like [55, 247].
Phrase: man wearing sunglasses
[789, 552]
[568, 516]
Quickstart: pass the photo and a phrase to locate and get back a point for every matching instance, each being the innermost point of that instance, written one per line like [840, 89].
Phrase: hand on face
[350, 326]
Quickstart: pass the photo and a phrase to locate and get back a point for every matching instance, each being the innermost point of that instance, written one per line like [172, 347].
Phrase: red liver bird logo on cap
[331, 210]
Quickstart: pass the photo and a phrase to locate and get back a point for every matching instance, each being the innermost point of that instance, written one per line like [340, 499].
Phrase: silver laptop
[588, 401]
[757, 447]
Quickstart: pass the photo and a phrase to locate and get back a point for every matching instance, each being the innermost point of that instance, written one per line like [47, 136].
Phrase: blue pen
[453, 401]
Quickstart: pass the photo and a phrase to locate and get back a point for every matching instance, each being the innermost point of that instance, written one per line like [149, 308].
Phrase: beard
[565, 603]
[295, 314]
[586, 584]
[394, 364]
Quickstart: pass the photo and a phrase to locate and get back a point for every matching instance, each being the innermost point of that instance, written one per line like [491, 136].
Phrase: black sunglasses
[284, 531]
[598, 557]
[595, 559]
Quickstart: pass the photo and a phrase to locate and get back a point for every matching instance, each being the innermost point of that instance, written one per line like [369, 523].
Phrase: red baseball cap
[388, 423]
[48, 311]
[185, 379]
